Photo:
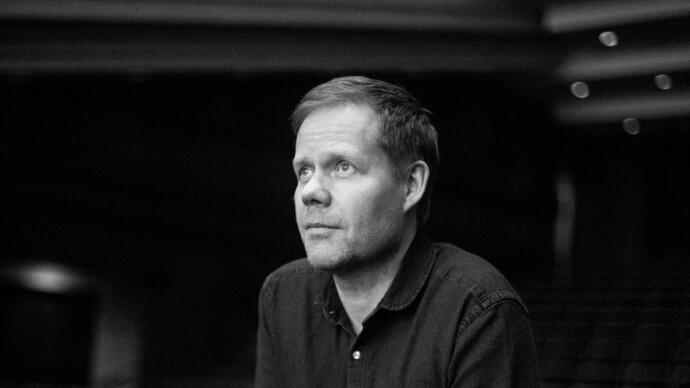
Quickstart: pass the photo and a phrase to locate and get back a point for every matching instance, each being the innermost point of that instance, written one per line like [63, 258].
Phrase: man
[375, 304]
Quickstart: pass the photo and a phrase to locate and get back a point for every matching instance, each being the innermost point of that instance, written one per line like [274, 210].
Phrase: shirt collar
[412, 275]
[407, 284]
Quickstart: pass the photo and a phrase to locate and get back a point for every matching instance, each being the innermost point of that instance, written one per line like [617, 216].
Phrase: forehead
[345, 126]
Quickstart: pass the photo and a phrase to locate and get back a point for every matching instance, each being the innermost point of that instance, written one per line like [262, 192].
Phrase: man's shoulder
[294, 276]
[472, 275]
[297, 267]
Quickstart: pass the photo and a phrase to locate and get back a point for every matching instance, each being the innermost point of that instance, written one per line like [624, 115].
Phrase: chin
[326, 263]
[329, 259]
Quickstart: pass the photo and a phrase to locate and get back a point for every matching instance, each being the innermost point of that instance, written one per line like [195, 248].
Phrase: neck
[360, 290]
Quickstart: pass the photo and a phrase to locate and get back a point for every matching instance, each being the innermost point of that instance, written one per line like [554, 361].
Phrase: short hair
[406, 133]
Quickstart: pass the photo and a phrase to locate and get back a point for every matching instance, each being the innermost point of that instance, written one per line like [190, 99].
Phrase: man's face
[348, 200]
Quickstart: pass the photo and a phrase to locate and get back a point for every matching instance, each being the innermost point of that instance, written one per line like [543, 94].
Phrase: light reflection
[46, 277]
[579, 89]
[631, 125]
[608, 38]
[663, 81]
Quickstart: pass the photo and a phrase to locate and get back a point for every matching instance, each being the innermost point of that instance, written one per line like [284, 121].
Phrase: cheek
[296, 195]
[297, 205]
[377, 209]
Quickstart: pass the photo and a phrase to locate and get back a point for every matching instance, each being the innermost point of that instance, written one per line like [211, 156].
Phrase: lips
[319, 225]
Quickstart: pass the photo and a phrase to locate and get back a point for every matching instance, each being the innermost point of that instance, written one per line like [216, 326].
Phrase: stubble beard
[342, 257]
[332, 258]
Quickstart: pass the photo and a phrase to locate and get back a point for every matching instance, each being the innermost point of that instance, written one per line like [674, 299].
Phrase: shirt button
[356, 355]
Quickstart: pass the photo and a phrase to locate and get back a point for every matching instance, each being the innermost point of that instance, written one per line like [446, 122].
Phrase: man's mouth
[319, 225]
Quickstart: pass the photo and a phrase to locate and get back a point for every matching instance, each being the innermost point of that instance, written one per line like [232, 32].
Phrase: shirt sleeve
[496, 349]
[266, 374]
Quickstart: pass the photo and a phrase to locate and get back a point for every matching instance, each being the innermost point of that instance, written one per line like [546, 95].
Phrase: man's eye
[303, 173]
[345, 168]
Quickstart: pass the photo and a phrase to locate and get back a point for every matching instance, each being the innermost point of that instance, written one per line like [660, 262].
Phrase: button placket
[356, 367]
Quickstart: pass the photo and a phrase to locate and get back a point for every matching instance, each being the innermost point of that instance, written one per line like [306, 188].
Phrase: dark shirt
[449, 319]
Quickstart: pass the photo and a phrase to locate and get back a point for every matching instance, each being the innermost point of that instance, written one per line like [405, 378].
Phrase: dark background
[182, 186]
[152, 157]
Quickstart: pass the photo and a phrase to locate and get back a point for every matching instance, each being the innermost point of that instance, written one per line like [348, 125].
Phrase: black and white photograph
[344, 194]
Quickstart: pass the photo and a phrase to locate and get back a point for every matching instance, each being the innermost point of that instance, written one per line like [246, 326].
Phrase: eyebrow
[339, 154]
[299, 161]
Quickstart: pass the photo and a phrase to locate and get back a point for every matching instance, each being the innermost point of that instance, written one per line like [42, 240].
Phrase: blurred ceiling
[633, 56]
[630, 57]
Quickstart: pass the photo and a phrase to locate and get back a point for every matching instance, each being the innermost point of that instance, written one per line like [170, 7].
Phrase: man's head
[365, 156]
[406, 133]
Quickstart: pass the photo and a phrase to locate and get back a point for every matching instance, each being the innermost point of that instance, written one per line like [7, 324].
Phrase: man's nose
[315, 192]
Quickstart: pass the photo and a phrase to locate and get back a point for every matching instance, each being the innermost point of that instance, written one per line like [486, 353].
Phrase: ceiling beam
[572, 16]
[611, 109]
[488, 16]
[68, 47]
[582, 65]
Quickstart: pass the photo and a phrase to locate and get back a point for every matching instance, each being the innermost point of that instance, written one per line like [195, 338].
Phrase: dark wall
[632, 191]
[45, 338]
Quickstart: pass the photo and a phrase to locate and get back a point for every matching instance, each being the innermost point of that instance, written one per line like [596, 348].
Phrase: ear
[415, 185]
